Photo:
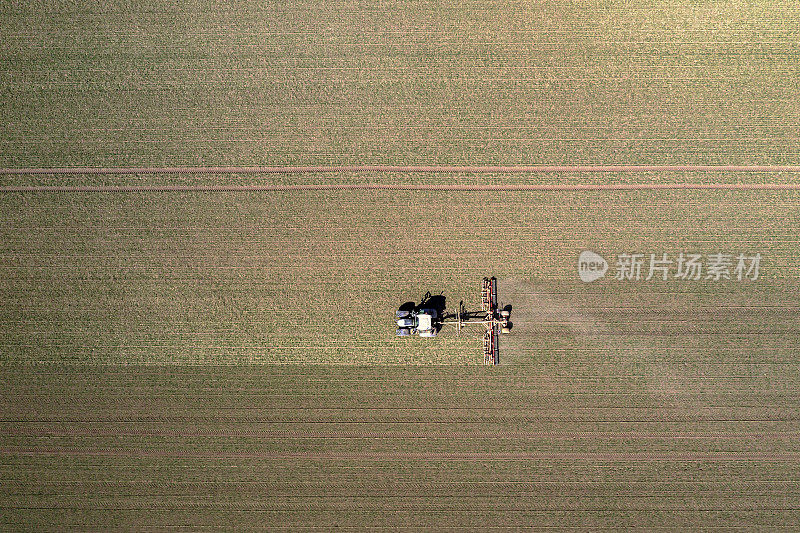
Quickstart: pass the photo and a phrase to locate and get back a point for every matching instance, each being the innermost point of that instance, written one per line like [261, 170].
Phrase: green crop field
[480, 81]
[226, 359]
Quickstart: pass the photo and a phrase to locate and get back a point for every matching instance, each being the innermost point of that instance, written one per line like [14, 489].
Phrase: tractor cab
[424, 322]
[426, 325]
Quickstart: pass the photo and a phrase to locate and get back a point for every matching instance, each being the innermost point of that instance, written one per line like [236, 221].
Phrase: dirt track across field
[470, 169]
[403, 187]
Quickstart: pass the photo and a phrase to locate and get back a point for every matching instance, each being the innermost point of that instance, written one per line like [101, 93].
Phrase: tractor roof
[425, 322]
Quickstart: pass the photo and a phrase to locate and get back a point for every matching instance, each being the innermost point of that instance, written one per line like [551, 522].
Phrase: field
[315, 276]
[450, 447]
[226, 359]
[399, 82]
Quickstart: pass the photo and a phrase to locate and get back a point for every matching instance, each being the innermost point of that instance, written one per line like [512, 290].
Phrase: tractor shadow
[429, 301]
[408, 306]
[467, 314]
[434, 301]
[509, 308]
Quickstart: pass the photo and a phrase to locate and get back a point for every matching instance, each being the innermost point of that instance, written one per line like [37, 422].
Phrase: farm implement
[426, 320]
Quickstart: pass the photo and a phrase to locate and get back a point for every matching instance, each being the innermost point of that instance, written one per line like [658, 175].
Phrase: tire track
[455, 169]
[404, 187]
[93, 432]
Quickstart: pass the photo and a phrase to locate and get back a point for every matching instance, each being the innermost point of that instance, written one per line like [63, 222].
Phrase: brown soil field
[292, 447]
